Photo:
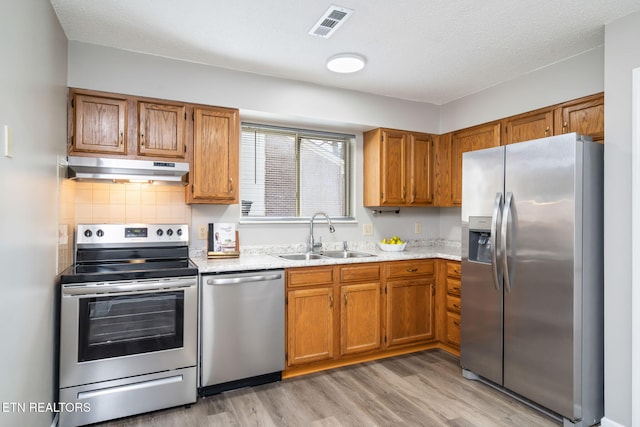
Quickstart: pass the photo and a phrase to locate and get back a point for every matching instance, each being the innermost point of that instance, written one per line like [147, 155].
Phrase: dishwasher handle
[243, 279]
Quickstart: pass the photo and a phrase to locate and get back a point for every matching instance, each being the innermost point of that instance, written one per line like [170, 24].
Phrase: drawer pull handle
[456, 306]
[412, 270]
[456, 288]
[456, 323]
[330, 301]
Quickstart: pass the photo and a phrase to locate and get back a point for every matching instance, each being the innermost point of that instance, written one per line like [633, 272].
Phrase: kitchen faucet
[312, 244]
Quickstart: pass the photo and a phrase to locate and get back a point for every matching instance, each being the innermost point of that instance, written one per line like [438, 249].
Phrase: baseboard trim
[606, 422]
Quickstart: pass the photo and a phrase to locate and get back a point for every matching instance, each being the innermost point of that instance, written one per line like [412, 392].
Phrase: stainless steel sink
[346, 254]
[300, 257]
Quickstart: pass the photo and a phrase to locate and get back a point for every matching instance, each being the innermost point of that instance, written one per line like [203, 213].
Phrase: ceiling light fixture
[346, 63]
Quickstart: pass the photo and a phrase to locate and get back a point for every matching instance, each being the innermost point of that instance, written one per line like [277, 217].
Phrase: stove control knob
[159, 232]
[179, 232]
[87, 233]
[100, 233]
[169, 232]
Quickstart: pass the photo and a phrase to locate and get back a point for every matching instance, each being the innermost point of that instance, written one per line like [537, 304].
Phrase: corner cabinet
[214, 164]
[97, 124]
[398, 168]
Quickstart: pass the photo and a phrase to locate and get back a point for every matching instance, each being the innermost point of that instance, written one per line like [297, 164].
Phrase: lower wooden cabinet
[310, 326]
[342, 312]
[410, 311]
[452, 287]
[359, 318]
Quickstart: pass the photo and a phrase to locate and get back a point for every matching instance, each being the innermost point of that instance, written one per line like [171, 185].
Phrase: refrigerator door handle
[495, 252]
[503, 237]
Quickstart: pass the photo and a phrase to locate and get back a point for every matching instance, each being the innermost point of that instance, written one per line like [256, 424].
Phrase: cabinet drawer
[453, 304]
[410, 268]
[311, 276]
[453, 286]
[454, 269]
[360, 273]
[453, 328]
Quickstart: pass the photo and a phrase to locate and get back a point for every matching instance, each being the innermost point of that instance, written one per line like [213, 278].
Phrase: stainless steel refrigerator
[532, 274]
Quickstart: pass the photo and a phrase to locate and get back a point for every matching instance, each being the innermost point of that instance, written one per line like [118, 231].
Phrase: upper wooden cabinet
[214, 168]
[583, 115]
[471, 139]
[524, 127]
[98, 124]
[398, 168]
[161, 130]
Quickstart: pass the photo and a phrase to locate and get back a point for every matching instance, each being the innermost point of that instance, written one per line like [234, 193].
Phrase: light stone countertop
[265, 257]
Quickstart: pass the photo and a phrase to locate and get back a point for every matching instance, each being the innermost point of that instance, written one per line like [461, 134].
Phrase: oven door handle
[98, 288]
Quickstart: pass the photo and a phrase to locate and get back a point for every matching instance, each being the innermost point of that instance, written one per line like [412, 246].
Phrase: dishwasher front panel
[242, 326]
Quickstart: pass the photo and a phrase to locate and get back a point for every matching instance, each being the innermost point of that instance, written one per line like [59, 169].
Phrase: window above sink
[287, 174]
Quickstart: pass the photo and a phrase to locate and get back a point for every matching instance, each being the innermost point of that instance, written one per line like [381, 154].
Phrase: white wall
[571, 78]
[622, 55]
[108, 69]
[33, 104]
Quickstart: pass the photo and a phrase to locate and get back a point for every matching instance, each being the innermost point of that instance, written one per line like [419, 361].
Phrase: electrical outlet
[202, 232]
[418, 228]
[367, 229]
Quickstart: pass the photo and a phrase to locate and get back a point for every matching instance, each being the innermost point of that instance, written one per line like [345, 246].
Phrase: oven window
[130, 324]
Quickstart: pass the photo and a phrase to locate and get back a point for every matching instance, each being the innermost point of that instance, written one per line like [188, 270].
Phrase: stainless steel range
[128, 322]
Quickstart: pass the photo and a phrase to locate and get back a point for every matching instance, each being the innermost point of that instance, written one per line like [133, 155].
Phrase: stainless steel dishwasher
[241, 330]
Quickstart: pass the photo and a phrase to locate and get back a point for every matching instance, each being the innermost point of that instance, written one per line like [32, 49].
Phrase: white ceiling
[431, 51]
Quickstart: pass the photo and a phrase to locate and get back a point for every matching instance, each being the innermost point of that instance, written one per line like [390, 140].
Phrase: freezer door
[539, 227]
[481, 315]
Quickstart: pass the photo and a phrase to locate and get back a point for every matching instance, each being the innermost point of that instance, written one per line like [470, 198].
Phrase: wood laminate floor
[419, 389]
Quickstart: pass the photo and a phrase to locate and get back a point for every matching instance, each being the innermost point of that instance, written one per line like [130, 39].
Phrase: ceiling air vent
[330, 21]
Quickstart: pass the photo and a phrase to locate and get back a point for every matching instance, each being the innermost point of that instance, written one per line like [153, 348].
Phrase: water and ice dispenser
[480, 239]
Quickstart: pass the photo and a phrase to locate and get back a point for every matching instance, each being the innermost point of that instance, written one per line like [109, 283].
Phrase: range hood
[127, 170]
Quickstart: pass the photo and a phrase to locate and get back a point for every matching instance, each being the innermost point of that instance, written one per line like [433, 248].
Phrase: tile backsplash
[130, 203]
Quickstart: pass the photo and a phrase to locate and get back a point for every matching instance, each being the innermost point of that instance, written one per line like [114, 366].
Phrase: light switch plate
[418, 228]
[367, 229]
[7, 141]
[202, 232]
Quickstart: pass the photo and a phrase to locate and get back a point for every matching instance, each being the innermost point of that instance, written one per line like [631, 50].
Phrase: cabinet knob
[546, 131]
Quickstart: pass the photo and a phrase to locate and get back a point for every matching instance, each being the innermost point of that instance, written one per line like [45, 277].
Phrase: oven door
[120, 329]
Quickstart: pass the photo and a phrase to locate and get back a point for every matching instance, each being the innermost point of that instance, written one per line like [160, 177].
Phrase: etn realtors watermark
[39, 407]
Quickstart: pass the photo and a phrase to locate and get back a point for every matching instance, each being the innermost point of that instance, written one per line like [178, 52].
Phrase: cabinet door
[214, 169]
[584, 115]
[310, 331]
[420, 170]
[410, 311]
[99, 125]
[161, 130]
[476, 138]
[453, 329]
[360, 318]
[527, 126]
[393, 163]
[442, 170]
